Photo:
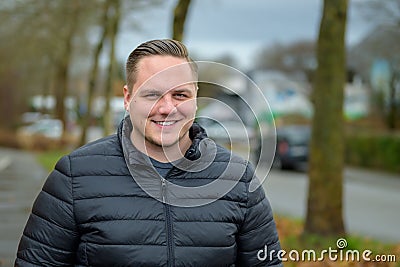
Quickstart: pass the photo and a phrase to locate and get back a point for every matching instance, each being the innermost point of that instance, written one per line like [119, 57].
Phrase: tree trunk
[93, 74]
[325, 193]
[392, 109]
[180, 12]
[64, 64]
[114, 23]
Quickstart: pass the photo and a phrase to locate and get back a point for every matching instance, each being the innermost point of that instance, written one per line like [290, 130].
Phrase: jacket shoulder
[226, 157]
[109, 145]
[98, 158]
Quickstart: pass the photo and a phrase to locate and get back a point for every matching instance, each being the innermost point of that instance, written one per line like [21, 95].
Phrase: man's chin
[163, 143]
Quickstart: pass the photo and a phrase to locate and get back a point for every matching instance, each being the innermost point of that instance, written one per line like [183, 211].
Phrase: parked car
[50, 128]
[292, 147]
[227, 132]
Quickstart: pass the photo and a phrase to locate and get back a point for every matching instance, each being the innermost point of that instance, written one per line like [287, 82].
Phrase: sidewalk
[21, 178]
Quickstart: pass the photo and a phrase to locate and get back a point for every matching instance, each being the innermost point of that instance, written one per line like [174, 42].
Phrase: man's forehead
[165, 73]
[159, 63]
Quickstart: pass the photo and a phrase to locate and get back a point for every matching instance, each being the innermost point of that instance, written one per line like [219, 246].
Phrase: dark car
[292, 147]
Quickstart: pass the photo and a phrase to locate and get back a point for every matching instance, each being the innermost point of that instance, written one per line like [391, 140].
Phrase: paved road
[20, 181]
[371, 200]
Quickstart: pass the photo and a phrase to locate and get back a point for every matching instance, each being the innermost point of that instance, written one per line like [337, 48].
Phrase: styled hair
[166, 47]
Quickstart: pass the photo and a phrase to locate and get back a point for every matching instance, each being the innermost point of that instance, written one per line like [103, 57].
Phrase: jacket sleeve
[50, 237]
[258, 237]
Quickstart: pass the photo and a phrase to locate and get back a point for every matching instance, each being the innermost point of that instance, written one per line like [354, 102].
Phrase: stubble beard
[159, 143]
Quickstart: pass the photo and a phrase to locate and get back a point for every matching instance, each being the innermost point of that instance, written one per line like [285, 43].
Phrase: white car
[227, 131]
[50, 128]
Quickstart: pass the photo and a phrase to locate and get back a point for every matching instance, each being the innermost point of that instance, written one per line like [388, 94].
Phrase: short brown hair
[167, 47]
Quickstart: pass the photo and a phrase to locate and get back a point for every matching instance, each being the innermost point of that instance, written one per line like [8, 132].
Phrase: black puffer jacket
[91, 212]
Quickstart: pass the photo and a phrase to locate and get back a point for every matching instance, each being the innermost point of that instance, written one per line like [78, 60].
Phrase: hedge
[374, 151]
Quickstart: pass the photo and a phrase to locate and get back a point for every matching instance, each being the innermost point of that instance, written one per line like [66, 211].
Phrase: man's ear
[127, 98]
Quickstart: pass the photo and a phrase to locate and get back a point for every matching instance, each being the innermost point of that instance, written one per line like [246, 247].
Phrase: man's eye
[152, 96]
[181, 96]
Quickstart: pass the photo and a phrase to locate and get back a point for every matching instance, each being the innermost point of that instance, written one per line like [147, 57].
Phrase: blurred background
[59, 60]
[62, 74]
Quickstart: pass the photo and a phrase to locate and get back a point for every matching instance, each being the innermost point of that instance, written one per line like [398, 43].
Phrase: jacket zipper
[163, 190]
[169, 226]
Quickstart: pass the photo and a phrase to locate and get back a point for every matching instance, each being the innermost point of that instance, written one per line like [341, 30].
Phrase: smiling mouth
[165, 123]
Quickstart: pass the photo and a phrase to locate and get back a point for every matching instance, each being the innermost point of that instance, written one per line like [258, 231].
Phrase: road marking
[4, 163]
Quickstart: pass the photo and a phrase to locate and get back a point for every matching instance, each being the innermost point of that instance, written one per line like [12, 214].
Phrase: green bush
[48, 159]
[374, 151]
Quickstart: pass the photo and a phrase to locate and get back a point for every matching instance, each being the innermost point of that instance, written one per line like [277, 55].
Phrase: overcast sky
[238, 27]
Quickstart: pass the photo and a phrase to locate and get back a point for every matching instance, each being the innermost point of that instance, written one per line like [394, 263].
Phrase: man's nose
[166, 105]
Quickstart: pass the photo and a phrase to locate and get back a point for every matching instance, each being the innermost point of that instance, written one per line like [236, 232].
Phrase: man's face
[162, 104]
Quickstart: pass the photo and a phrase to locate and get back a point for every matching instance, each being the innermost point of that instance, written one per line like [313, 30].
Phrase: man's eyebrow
[143, 91]
[181, 90]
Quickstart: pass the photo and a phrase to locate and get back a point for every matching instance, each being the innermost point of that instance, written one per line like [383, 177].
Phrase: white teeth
[165, 123]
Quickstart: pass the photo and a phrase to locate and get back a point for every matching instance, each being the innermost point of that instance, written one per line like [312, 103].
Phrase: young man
[157, 193]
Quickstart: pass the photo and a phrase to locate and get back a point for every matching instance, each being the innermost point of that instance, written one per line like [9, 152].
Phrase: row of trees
[55, 47]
